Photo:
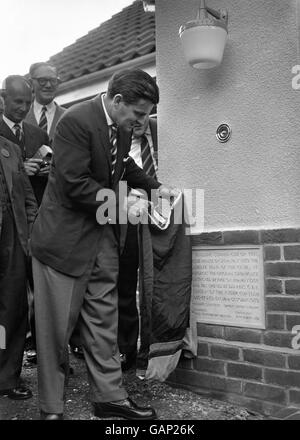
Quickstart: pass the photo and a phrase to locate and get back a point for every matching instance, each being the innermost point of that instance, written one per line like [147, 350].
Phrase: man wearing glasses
[44, 112]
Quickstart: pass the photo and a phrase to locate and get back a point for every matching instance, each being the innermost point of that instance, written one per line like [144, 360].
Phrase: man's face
[45, 83]
[17, 102]
[130, 116]
[139, 130]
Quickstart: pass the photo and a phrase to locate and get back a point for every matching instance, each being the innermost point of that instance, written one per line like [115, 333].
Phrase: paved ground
[170, 403]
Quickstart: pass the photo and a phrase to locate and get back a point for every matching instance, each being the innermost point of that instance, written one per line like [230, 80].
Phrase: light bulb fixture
[149, 5]
[204, 39]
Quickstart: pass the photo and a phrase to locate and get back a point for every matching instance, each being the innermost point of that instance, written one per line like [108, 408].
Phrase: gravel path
[170, 403]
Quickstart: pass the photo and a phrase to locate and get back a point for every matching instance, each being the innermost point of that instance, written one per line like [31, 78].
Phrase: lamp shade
[204, 39]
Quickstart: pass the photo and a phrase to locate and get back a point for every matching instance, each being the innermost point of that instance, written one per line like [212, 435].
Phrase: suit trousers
[13, 301]
[128, 313]
[60, 300]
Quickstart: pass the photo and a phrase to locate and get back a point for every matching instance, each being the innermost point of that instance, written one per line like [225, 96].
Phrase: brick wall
[259, 369]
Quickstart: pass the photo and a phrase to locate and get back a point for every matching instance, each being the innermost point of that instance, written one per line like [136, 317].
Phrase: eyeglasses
[43, 81]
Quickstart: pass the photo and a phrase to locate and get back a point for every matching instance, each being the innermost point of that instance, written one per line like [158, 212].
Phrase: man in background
[44, 112]
[18, 209]
[17, 95]
[144, 152]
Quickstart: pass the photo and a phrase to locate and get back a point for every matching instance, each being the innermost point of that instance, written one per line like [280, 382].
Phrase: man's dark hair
[133, 85]
[35, 66]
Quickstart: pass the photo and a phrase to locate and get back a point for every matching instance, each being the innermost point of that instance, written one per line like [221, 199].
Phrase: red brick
[294, 397]
[292, 252]
[242, 334]
[292, 287]
[244, 371]
[209, 381]
[283, 303]
[186, 363]
[265, 392]
[241, 237]
[266, 358]
[282, 269]
[294, 363]
[271, 253]
[274, 285]
[280, 236]
[202, 349]
[292, 320]
[278, 339]
[210, 331]
[208, 238]
[210, 365]
[282, 377]
[224, 352]
[275, 321]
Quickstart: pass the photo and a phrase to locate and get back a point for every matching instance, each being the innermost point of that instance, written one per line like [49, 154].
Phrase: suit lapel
[6, 132]
[102, 127]
[58, 112]
[7, 161]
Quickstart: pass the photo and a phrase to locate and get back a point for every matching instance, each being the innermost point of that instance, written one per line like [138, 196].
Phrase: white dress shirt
[135, 149]
[12, 123]
[38, 108]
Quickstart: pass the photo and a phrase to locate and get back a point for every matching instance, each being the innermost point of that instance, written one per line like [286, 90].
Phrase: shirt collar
[11, 123]
[108, 118]
[38, 107]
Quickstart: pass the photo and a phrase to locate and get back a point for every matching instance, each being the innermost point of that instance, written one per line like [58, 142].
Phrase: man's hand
[137, 208]
[32, 166]
[168, 191]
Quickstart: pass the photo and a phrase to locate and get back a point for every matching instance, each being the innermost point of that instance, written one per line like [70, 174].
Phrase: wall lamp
[204, 39]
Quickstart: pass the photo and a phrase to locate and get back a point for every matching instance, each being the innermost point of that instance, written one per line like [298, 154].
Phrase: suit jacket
[66, 234]
[34, 138]
[30, 118]
[24, 205]
[153, 130]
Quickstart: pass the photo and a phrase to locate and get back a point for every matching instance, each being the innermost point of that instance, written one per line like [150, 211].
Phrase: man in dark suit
[144, 152]
[17, 97]
[76, 252]
[18, 209]
[44, 111]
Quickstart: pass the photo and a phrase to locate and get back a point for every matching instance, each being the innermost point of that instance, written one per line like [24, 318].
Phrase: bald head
[17, 95]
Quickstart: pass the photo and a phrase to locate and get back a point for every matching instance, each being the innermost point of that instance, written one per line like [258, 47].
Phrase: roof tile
[128, 34]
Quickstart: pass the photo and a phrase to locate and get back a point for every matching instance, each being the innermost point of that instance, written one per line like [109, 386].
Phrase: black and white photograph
[150, 213]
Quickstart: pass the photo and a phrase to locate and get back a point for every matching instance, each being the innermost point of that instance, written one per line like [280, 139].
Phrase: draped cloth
[165, 282]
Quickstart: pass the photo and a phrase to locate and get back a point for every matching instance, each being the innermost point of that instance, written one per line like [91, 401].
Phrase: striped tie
[20, 136]
[147, 160]
[113, 147]
[43, 124]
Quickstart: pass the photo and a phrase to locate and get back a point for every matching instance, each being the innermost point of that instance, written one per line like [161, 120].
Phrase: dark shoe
[51, 416]
[18, 393]
[124, 408]
[77, 351]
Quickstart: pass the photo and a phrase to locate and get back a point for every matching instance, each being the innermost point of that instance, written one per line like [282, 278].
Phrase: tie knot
[17, 126]
[44, 108]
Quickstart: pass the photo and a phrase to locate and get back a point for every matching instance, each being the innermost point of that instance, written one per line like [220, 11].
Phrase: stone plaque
[228, 286]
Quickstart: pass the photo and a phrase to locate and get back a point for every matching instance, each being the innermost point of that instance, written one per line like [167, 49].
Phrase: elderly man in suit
[144, 152]
[44, 111]
[17, 95]
[76, 257]
[18, 209]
